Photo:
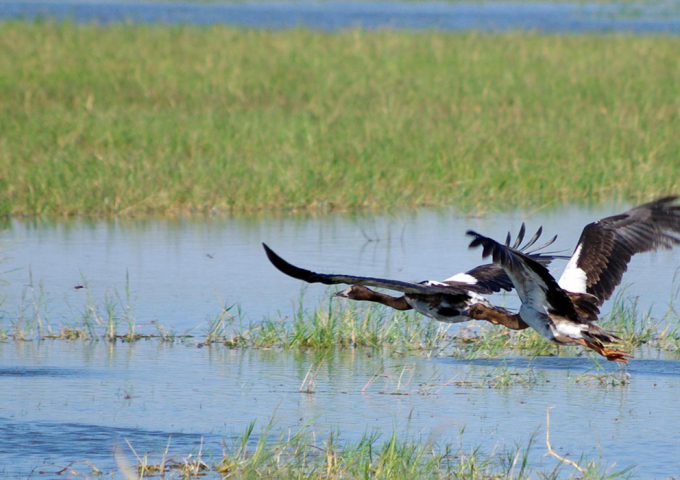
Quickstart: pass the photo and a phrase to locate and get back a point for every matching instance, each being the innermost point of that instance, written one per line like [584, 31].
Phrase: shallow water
[66, 401]
[648, 16]
[179, 271]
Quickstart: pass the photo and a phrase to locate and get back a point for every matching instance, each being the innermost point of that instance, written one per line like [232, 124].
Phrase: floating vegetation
[504, 377]
[620, 378]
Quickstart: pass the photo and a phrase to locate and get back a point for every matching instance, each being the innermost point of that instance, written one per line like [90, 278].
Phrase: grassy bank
[132, 120]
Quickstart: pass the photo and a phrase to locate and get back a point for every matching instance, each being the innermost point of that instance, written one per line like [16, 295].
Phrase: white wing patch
[434, 283]
[477, 298]
[574, 279]
[570, 329]
[462, 277]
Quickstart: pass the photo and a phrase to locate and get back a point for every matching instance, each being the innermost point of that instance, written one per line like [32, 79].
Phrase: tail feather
[586, 305]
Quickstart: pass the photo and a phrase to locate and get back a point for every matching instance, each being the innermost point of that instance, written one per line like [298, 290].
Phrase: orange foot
[614, 355]
[611, 354]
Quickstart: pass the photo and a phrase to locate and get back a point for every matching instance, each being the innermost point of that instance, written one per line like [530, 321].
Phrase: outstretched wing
[602, 254]
[492, 276]
[450, 288]
[534, 284]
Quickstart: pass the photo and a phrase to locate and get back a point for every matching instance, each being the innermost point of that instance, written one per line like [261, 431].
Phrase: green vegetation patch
[338, 325]
[165, 120]
[307, 454]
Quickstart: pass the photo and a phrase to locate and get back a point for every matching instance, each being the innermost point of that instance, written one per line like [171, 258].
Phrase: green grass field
[157, 120]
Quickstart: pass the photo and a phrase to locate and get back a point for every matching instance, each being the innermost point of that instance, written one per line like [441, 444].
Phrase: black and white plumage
[564, 311]
[444, 301]
[602, 253]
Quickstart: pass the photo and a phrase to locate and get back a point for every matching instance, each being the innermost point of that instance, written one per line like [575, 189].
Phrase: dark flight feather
[608, 244]
[518, 263]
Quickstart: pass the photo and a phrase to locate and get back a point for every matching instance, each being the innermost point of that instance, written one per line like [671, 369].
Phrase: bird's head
[356, 292]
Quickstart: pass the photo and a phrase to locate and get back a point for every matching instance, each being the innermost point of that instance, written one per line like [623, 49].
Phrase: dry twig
[553, 452]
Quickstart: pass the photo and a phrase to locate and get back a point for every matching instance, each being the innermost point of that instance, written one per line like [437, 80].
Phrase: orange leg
[611, 354]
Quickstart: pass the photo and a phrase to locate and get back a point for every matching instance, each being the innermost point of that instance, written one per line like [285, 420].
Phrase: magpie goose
[444, 301]
[564, 311]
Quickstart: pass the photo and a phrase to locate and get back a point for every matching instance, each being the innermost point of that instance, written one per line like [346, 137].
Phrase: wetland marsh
[79, 400]
[144, 332]
[468, 395]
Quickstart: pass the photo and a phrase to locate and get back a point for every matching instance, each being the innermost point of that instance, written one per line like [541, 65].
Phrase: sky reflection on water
[65, 401]
[57, 392]
[179, 271]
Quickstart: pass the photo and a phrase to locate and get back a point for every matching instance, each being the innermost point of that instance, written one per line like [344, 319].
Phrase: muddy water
[62, 402]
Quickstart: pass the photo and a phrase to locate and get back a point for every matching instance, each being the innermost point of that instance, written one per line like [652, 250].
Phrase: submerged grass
[132, 120]
[600, 378]
[330, 326]
[339, 324]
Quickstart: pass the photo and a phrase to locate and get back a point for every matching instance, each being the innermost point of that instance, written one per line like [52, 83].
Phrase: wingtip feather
[287, 268]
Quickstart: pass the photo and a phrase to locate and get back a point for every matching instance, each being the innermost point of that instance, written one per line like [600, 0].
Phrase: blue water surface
[81, 401]
[643, 17]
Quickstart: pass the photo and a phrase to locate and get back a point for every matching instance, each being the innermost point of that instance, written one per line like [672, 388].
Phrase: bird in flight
[445, 301]
[564, 311]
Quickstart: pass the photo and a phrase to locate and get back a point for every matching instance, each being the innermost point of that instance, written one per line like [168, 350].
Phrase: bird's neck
[398, 303]
[498, 316]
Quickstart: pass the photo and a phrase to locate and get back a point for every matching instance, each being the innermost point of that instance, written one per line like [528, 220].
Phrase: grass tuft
[334, 325]
[304, 454]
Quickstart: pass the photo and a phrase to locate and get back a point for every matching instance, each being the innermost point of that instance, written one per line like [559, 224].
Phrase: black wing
[450, 288]
[602, 254]
[534, 283]
[492, 276]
